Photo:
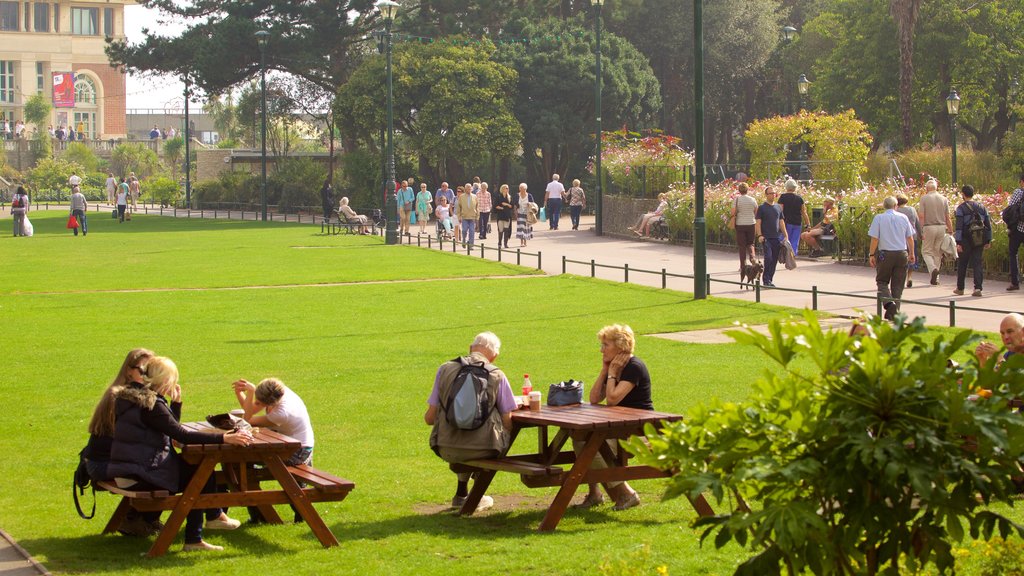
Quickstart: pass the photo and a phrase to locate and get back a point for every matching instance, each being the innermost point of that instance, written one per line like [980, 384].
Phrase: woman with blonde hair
[146, 421]
[623, 381]
[577, 202]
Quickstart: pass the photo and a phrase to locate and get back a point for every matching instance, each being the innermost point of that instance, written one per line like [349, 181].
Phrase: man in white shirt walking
[933, 214]
[553, 201]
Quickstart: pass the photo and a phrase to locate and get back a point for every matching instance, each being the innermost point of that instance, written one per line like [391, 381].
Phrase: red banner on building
[63, 90]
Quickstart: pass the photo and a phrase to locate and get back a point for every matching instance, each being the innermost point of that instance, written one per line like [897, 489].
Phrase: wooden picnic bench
[591, 424]
[243, 469]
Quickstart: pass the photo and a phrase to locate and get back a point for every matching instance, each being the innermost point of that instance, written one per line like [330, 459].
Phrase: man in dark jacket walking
[971, 240]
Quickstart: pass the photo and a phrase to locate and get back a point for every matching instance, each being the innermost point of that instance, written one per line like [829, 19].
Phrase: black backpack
[976, 227]
[1012, 215]
[80, 483]
[469, 402]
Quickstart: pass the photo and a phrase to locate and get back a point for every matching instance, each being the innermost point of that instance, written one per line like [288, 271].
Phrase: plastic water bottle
[527, 385]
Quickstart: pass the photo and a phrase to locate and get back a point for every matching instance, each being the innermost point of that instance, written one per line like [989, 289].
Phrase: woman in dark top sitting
[146, 420]
[101, 437]
[623, 381]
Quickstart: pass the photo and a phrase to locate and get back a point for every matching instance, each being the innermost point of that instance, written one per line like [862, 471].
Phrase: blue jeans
[772, 247]
[1016, 239]
[485, 218]
[971, 256]
[574, 215]
[468, 231]
[793, 231]
[80, 215]
[554, 210]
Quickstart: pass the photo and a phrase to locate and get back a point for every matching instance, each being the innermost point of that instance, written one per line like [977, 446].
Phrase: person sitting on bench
[350, 215]
[643, 227]
[827, 227]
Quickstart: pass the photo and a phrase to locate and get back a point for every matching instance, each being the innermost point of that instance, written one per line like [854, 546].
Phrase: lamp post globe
[388, 10]
[788, 33]
[262, 37]
[953, 109]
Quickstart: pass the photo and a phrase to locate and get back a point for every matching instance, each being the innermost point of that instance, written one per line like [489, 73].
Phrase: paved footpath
[846, 281]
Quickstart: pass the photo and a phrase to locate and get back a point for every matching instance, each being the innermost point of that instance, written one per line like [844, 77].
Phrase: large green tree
[555, 99]
[452, 105]
[318, 40]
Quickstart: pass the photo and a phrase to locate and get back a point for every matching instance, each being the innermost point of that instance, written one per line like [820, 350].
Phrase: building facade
[60, 43]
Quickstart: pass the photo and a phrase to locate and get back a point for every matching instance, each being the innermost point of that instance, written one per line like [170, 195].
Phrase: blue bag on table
[565, 393]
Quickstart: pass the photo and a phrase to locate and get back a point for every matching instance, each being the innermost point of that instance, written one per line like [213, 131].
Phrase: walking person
[973, 236]
[406, 198]
[933, 213]
[524, 227]
[1016, 234]
[134, 190]
[577, 200]
[122, 200]
[483, 202]
[742, 219]
[20, 206]
[769, 227]
[892, 248]
[501, 203]
[423, 207]
[553, 201]
[469, 212]
[327, 199]
[794, 210]
[911, 214]
[111, 188]
[79, 207]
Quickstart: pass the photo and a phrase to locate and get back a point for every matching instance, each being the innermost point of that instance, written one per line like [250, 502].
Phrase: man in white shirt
[553, 201]
[74, 181]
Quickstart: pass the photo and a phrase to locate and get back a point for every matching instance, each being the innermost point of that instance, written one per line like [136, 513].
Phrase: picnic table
[593, 424]
[243, 468]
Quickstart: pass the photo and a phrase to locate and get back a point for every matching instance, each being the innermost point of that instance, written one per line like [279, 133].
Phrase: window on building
[108, 22]
[56, 17]
[6, 81]
[85, 124]
[84, 21]
[85, 90]
[9, 16]
[41, 18]
[28, 16]
[40, 77]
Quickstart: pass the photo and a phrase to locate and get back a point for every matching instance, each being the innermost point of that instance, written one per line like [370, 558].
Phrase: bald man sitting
[1011, 330]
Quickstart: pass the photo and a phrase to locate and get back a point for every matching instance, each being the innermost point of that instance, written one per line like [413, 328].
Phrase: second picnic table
[593, 424]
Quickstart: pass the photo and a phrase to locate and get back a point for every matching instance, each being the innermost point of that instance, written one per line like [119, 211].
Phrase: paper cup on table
[238, 413]
[535, 401]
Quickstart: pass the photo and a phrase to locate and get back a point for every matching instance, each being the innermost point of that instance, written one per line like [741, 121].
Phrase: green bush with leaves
[230, 190]
[839, 142]
[48, 179]
[860, 455]
[296, 184]
[162, 190]
[134, 157]
[82, 155]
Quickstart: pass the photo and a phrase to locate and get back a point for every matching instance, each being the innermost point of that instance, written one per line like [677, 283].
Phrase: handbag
[543, 214]
[565, 393]
[72, 222]
[412, 217]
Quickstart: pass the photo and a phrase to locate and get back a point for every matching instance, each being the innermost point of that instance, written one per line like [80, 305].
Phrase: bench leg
[481, 482]
[180, 512]
[120, 513]
[572, 481]
[301, 502]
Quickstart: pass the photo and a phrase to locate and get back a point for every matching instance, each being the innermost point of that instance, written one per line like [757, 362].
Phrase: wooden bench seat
[522, 467]
[321, 480]
[110, 486]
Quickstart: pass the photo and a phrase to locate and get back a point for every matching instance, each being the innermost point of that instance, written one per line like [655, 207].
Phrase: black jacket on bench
[144, 425]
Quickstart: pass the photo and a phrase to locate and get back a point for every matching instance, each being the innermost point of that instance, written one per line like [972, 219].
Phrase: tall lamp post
[803, 85]
[598, 206]
[261, 38]
[953, 109]
[188, 151]
[788, 35]
[700, 249]
[389, 10]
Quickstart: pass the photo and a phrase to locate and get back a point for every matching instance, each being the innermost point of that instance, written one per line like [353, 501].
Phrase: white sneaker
[222, 523]
[485, 503]
[201, 546]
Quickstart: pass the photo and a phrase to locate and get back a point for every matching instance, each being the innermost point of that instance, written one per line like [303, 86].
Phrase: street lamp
[188, 151]
[700, 249]
[598, 212]
[388, 10]
[803, 85]
[788, 33]
[953, 109]
[261, 38]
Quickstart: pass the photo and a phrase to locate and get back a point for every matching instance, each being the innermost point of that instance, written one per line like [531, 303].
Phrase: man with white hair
[1011, 330]
[933, 213]
[455, 442]
[892, 248]
[553, 201]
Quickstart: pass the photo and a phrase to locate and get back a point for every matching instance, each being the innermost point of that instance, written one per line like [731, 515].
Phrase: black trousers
[891, 274]
[971, 256]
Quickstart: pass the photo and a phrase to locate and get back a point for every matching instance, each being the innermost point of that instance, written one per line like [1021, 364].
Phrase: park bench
[338, 223]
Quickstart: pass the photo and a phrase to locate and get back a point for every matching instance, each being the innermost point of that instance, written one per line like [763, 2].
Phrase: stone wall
[211, 163]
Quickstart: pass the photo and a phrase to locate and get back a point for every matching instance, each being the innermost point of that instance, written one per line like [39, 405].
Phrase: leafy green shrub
[82, 155]
[134, 157]
[1013, 153]
[983, 170]
[48, 179]
[230, 190]
[858, 454]
[362, 173]
[296, 184]
[162, 190]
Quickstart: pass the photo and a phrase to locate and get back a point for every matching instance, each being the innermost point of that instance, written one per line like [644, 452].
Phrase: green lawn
[362, 355]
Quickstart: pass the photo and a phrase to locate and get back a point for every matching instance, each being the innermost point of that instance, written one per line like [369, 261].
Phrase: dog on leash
[751, 271]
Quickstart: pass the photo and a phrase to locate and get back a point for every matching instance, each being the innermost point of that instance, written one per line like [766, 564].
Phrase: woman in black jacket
[145, 424]
[501, 208]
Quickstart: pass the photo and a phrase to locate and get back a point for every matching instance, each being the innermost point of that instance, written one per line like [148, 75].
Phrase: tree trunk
[904, 13]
